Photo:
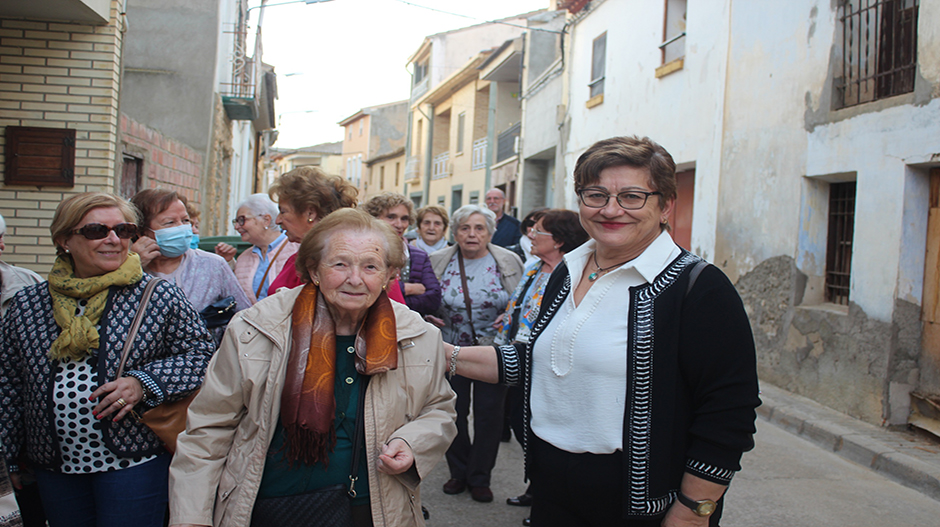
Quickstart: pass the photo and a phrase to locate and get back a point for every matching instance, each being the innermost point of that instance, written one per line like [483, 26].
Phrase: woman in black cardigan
[640, 375]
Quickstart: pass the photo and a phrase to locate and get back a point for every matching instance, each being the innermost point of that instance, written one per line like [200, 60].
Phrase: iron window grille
[879, 50]
[839, 250]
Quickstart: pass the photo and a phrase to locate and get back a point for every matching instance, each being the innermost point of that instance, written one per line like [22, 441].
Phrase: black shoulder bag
[326, 507]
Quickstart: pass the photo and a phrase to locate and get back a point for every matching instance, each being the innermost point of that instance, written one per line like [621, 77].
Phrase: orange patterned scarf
[308, 406]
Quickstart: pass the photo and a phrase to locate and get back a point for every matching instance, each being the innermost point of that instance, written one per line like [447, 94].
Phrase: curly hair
[307, 189]
[382, 203]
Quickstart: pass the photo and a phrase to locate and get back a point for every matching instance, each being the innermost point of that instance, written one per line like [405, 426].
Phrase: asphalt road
[785, 481]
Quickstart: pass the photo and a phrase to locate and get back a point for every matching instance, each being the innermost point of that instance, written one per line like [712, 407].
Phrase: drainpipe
[491, 146]
[427, 158]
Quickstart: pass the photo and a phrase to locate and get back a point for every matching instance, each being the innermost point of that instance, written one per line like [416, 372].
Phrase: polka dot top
[81, 443]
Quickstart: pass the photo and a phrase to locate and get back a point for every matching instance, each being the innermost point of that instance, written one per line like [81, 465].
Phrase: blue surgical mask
[194, 243]
[174, 241]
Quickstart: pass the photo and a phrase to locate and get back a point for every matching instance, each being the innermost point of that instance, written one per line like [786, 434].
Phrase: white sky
[349, 54]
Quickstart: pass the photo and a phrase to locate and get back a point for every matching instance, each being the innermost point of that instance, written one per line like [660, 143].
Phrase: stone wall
[215, 184]
[842, 358]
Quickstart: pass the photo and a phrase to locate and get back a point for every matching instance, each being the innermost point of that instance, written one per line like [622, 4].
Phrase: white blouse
[579, 362]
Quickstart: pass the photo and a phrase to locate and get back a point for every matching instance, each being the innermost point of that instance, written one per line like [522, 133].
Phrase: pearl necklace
[593, 276]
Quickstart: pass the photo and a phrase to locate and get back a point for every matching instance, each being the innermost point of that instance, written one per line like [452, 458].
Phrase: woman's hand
[226, 251]
[439, 322]
[117, 398]
[396, 457]
[414, 289]
[498, 323]
[147, 249]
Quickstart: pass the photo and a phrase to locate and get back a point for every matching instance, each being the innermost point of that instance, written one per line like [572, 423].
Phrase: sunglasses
[99, 231]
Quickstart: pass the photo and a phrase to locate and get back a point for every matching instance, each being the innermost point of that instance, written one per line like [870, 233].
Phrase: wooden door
[930, 310]
[681, 217]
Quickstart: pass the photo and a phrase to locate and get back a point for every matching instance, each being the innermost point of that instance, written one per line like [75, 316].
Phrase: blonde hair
[71, 211]
[346, 220]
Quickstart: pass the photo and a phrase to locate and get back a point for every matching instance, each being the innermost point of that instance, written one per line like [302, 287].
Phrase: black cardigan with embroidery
[691, 397]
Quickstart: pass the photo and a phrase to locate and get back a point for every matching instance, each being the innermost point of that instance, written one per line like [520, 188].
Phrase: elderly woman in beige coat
[276, 417]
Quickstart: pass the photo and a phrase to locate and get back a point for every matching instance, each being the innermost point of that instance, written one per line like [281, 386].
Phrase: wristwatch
[702, 508]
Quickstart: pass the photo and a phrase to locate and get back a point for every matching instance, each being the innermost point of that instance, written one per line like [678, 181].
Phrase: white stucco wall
[879, 146]
[681, 111]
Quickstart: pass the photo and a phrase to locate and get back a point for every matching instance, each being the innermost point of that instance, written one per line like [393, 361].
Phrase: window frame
[596, 85]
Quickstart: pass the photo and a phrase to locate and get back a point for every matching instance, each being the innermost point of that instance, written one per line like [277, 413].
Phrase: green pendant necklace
[593, 276]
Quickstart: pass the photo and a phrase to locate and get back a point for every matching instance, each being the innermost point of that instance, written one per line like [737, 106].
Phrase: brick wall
[167, 163]
[57, 75]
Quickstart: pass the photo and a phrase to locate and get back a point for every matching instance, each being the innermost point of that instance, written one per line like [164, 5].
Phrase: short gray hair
[461, 215]
[3, 225]
[259, 205]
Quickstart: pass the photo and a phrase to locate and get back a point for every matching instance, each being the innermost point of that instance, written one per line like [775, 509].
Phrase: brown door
[930, 311]
[681, 217]
[130, 176]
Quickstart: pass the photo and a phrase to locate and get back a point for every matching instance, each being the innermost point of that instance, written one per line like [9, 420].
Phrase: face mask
[174, 241]
[194, 243]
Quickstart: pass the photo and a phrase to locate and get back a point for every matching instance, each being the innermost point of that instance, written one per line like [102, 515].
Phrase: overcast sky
[335, 58]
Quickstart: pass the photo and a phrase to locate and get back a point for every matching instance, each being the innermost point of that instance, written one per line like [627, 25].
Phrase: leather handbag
[168, 419]
[324, 507]
[219, 313]
[477, 341]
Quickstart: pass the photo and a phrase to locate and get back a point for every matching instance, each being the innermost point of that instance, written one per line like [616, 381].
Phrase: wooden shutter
[43, 157]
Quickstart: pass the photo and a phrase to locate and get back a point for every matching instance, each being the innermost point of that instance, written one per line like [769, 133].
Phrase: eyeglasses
[240, 221]
[630, 200]
[536, 232]
[99, 231]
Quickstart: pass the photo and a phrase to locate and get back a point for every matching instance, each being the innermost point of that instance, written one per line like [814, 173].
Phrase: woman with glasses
[204, 277]
[61, 407]
[255, 269]
[640, 372]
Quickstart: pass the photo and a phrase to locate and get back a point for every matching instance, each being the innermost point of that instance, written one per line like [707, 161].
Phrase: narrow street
[786, 481]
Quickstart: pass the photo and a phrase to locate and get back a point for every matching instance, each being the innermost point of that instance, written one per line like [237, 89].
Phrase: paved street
[786, 481]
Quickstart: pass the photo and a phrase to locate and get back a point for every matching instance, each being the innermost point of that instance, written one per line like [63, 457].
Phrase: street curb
[880, 449]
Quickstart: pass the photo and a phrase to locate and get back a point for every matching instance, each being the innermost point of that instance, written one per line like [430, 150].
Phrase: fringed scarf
[78, 332]
[308, 405]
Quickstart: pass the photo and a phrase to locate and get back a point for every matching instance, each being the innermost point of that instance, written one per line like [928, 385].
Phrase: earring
[309, 220]
[316, 283]
[67, 250]
[384, 287]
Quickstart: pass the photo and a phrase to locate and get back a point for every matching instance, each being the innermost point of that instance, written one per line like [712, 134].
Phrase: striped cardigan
[691, 397]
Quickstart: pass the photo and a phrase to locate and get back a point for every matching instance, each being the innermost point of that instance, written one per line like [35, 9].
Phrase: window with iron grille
[879, 50]
[839, 250]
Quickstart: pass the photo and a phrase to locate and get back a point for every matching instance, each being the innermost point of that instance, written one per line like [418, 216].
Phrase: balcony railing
[506, 143]
[412, 168]
[439, 166]
[478, 157]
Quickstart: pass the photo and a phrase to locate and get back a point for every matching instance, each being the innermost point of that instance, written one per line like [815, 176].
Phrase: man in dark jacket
[507, 227]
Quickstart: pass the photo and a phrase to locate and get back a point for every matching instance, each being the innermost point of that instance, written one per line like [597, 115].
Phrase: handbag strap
[466, 296]
[135, 325]
[266, 271]
[360, 436]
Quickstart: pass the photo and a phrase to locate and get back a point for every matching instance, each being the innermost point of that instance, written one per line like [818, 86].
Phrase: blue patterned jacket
[172, 351]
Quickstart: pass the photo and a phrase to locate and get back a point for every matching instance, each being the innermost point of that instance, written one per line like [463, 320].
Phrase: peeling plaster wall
[783, 147]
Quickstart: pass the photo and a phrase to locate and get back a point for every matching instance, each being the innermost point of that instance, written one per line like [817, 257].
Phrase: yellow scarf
[78, 332]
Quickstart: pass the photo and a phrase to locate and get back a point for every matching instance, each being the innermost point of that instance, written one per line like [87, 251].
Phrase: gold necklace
[593, 276]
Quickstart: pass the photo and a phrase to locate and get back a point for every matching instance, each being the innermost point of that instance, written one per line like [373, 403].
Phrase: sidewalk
[905, 457]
